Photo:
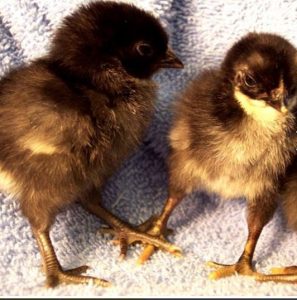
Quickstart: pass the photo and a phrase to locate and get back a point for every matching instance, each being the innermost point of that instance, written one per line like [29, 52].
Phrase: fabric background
[206, 227]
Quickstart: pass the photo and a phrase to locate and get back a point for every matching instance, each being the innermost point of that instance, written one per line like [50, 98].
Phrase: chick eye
[144, 49]
[249, 81]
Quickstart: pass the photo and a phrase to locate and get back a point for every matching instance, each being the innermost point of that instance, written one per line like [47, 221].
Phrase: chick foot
[285, 275]
[73, 277]
[242, 267]
[126, 235]
[156, 229]
[159, 228]
[51, 267]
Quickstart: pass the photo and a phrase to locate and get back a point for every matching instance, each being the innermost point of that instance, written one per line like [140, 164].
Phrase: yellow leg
[159, 229]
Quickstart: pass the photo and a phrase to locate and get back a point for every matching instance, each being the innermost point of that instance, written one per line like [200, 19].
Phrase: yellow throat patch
[259, 109]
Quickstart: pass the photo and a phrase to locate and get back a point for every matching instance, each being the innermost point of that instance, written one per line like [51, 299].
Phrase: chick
[232, 135]
[69, 119]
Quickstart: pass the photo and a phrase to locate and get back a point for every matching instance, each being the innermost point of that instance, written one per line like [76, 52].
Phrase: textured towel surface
[206, 227]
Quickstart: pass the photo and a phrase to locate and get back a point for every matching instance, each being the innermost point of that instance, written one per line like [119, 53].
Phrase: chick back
[217, 147]
[59, 139]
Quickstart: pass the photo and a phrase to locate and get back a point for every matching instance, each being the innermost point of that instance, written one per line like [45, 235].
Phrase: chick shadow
[277, 229]
[74, 236]
[139, 190]
[194, 206]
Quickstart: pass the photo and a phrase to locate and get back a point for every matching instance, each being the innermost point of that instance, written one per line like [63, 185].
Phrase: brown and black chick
[69, 119]
[232, 134]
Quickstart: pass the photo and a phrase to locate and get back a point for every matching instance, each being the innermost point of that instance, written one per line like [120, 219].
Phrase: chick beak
[279, 102]
[171, 61]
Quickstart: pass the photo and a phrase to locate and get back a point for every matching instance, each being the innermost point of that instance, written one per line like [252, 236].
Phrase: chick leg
[159, 228]
[53, 270]
[259, 213]
[125, 233]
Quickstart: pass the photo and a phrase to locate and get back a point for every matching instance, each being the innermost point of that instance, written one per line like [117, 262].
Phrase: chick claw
[241, 267]
[126, 236]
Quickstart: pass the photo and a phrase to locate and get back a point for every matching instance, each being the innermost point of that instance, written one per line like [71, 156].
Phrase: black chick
[69, 119]
[233, 133]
